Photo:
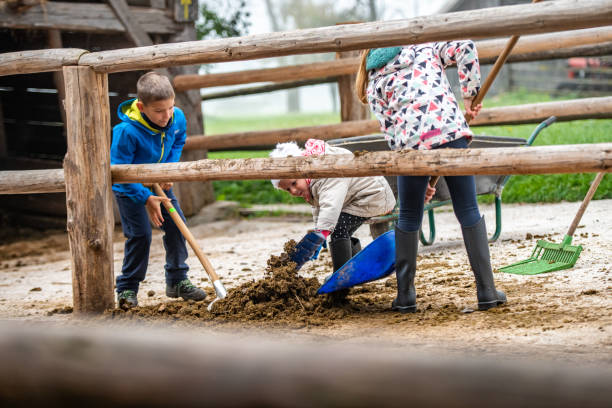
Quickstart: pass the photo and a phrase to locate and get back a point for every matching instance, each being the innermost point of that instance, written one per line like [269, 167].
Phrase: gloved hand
[307, 248]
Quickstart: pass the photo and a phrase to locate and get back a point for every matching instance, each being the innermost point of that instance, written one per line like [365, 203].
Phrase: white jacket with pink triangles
[413, 100]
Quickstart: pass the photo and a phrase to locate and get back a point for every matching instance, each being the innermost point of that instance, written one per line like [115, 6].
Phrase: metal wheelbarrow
[485, 184]
[377, 260]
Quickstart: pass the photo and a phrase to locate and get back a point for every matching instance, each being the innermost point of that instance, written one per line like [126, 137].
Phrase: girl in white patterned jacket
[407, 89]
[339, 205]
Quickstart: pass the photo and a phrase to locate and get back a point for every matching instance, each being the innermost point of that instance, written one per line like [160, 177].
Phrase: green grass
[520, 188]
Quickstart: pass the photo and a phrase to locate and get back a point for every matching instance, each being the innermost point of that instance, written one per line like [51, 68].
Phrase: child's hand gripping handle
[219, 288]
[307, 248]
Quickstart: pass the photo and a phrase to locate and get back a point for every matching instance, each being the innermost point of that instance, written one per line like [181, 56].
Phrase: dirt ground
[564, 315]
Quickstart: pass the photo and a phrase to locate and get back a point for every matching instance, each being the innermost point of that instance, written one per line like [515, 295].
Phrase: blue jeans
[411, 194]
[137, 230]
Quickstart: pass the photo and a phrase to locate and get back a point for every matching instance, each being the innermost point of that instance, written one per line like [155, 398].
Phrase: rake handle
[187, 234]
[585, 203]
[499, 62]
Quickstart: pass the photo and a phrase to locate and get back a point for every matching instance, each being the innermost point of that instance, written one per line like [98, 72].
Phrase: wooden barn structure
[32, 116]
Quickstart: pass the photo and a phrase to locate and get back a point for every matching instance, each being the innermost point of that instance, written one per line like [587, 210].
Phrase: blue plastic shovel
[375, 261]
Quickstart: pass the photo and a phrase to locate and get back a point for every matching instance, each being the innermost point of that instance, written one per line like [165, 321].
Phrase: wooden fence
[88, 175]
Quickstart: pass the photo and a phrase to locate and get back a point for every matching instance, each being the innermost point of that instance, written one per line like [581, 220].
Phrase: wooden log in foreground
[588, 158]
[520, 19]
[488, 50]
[585, 108]
[70, 366]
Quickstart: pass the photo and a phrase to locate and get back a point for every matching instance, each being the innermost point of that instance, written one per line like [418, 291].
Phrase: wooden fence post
[88, 189]
[351, 108]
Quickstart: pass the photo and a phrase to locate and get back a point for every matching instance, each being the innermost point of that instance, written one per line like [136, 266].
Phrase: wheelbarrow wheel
[380, 228]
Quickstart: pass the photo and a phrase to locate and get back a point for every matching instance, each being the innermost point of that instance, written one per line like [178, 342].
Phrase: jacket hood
[128, 112]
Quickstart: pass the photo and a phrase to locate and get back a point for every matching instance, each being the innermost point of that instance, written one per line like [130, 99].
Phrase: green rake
[550, 257]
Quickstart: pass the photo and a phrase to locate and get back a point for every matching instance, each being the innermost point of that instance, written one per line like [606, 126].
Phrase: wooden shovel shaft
[499, 62]
[585, 203]
[187, 234]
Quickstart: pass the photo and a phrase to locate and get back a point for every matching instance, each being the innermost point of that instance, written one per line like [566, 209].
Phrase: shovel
[214, 278]
[549, 257]
[373, 262]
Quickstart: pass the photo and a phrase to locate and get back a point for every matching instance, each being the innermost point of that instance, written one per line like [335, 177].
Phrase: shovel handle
[585, 202]
[499, 62]
[187, 234]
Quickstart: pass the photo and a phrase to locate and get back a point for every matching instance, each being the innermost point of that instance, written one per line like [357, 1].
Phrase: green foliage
[248, 192]
[222, 19]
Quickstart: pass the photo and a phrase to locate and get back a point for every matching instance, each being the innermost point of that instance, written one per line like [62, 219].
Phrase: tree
[222, 19]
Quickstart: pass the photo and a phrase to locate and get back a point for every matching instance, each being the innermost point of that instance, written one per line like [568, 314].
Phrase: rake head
[546, 257]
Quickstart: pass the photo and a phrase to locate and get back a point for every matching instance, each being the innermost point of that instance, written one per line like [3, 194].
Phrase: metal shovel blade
[546, 257]
[375, 261]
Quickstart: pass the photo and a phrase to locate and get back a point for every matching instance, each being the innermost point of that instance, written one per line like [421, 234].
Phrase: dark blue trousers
[137, 231]
[411, 194]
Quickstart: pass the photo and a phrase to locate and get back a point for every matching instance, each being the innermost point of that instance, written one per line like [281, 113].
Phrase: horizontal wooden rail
[280, 74]
[32, 181]
[28, 62]
[271, 137]
[70, 365]
[581, 158]
[594, 50]
[586, 108]
[278, 86]
[488, 51]
[483, 23]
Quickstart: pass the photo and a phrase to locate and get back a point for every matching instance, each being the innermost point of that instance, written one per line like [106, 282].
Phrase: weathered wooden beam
[528, 47]
[585, 108]
[88, 189]
[28, 62]
[530, 44]
[581, 51]
[271, 137]
[592, 50]
[534, 160]
[483, 23]
[267, 88]
[86, 17]
[439, 162]
[351, 107]
[47, 365]
[575, 109]
[279, 74]
[32, 181]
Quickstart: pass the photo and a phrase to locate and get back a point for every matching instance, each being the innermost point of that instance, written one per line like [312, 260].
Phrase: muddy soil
[563, 315]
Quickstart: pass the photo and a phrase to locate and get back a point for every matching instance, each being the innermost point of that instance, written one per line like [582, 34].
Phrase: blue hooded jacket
[136, 142]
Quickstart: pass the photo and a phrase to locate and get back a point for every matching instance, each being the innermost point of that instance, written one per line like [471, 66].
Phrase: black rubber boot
[355, 245]
[341, 251]
[406, 246]
[477, 247]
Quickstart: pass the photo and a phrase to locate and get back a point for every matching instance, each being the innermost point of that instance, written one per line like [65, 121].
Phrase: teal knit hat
[378, 57]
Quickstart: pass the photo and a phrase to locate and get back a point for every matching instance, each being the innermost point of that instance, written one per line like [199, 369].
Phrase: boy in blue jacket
[152, 130]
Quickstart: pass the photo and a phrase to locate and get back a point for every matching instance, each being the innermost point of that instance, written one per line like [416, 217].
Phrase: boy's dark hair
[152, 87]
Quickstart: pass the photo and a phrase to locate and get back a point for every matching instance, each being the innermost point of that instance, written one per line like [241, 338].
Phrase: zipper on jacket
[163, 136]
